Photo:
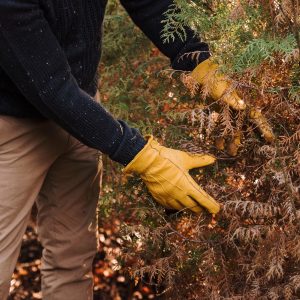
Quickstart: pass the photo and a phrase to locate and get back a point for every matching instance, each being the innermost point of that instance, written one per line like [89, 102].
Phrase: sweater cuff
[191, 55]
[131, 144]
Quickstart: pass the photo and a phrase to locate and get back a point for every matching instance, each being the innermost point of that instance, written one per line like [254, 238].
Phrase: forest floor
[109, 283]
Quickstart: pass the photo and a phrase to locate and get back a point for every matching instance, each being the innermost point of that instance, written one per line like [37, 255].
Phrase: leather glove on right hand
[219, 88]
[165, 173]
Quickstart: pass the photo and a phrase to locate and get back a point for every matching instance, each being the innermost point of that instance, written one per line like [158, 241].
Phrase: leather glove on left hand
[219, 88]
[165, 173]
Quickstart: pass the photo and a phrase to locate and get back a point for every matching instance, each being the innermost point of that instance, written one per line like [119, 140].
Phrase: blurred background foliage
[252, 249]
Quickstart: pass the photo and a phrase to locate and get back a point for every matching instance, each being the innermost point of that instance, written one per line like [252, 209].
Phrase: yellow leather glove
[165, 173]
[219, 88]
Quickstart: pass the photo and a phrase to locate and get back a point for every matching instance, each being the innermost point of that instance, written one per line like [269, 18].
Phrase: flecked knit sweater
[49, 53]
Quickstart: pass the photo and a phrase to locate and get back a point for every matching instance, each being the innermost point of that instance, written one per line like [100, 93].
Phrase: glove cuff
[203, 70]
[144, 159]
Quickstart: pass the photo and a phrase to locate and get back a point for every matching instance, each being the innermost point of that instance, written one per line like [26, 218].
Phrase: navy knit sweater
[49, 53]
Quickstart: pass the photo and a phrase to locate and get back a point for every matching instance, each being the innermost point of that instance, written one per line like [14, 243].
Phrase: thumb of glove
[192, 161]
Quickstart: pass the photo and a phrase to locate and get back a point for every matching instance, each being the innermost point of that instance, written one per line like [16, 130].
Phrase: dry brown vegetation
[252, 249]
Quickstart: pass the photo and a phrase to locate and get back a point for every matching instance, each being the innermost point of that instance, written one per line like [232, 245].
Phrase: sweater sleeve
[32, 57]
[148, 16]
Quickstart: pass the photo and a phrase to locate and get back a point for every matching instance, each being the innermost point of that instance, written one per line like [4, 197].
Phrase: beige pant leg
[27, 149]
[66, 224]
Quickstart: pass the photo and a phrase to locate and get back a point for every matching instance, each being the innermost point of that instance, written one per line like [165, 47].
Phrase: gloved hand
[219, 88]
[165, 173]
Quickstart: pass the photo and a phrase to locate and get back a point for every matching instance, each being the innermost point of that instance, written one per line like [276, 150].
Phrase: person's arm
[32, 57]
[148, 16]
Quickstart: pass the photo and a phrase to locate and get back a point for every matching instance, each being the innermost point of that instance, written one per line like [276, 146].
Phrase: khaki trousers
[41, 162]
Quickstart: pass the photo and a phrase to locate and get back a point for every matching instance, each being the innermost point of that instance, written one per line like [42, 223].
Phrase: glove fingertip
[215, 209]
[202, 160]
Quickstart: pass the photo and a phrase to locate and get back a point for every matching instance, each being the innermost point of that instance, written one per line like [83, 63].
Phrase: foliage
[253, 249]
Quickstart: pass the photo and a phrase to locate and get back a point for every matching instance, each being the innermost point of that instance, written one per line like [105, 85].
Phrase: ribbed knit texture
[49, 53]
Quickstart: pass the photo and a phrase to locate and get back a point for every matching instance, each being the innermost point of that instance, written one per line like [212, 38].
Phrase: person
[51, 130]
